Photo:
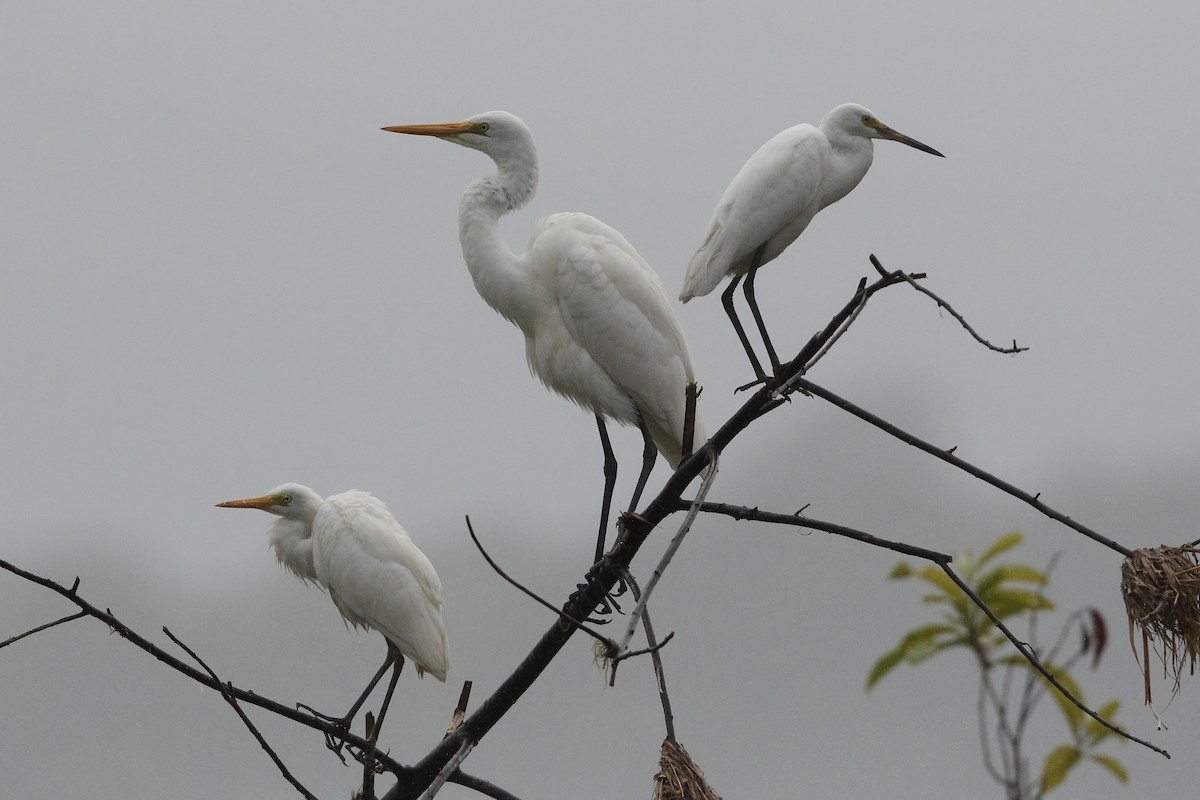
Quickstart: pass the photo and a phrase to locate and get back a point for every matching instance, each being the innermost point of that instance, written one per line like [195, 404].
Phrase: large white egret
[773, 198]
[598, 324]
[351, 544]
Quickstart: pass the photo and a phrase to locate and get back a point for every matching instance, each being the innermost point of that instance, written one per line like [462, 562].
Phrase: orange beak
[262, 503]
[443, 129]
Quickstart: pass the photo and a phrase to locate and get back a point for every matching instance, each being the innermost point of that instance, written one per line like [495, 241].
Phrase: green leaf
[935, 576]
[1005, 542]
[1115, 768]
[916, 646]
[1059, 763]
[1004, 574]
[902, 570]
[1007, 602]
[919, 643]
[949, 589]
[1023, 572]
[883, 666]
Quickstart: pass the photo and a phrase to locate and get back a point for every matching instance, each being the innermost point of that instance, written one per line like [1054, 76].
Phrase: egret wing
[770, 201]
[378, 578]
[614, 306]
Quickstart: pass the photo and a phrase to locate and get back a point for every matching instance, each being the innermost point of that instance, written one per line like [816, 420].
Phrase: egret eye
[866, 119]
[287, 499]
[483, 127]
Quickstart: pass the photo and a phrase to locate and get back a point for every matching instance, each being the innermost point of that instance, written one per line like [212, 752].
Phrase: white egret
[351, 544]
[773, 198]
[598, 325]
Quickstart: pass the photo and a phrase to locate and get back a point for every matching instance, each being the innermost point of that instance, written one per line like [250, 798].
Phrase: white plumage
[778, 191]
[351, 544]
[378, 578]
[598, 324]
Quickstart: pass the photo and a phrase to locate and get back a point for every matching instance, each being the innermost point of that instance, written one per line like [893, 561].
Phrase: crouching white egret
[598, 325]
[351, 544]
[773, 198]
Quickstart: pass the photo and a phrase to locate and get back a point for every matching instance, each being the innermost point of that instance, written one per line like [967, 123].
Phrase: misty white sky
[221, 276]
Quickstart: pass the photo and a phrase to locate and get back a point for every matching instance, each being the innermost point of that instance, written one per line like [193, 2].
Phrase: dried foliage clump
[1161, 587]
[678, 777]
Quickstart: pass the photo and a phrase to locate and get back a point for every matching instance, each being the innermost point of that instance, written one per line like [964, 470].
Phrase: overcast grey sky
[220, 276]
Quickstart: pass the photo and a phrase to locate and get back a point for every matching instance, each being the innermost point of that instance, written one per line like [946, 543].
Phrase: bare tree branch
[480, 785]
[1032, 658]
[661, 567]
[40, 628]
[570, 620]
[949, 457]
[943, 304]
[653, 648]
[107, 617]
[227, 693]
[795, 520]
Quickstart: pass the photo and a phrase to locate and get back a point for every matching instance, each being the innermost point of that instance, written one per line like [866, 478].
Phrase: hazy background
[220, 276]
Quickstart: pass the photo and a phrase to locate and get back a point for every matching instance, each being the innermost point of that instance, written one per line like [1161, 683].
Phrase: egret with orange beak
[351, 544]
[598, 325]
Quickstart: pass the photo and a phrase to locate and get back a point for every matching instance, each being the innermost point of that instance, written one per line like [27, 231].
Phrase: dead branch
[1032, 658]
[949, 457]
[227, 694]
[106, 616]
[562, 614]
[943, 304]
[661, 567]
[40, 628]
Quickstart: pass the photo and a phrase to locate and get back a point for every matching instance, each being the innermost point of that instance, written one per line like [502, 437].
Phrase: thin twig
[812, 362]
[836, 326]
[943, 304]
[1032, 658]
[941, 559]
[949, 457]
[604, 639]
[227, 693]
[795, 520]
[661, 567]
[653, 648]
[465, 750]
[40, 628]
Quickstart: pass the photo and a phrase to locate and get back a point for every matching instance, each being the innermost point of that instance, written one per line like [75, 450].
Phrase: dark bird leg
[396, 659]
[610, 480]
[607, 603]
[362, 698]
[748, 289]
[332, 742]
[649, 455]
[727, 301]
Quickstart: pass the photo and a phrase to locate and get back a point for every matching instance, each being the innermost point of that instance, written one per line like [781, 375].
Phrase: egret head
[498, 133]
[854, 120]
[291, 501]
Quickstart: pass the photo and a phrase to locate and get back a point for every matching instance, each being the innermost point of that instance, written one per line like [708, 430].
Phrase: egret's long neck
[853, 155]
[498, 274]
